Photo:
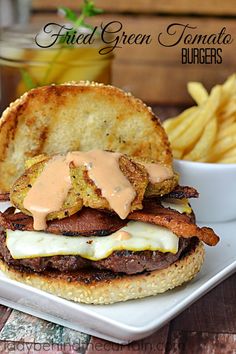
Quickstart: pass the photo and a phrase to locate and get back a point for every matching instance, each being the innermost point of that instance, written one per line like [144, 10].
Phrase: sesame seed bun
[105, 287]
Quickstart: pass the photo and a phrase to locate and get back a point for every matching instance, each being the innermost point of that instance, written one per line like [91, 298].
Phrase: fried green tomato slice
[21, 187]
[36, 159]
[162, 188]
[92, 195]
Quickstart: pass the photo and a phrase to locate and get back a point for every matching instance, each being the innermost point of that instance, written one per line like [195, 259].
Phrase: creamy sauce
[157, 173]
[122, 235]
[104, 170]
[49, 191]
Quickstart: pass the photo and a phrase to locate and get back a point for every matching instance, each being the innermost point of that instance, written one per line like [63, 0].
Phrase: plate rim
[153, 325]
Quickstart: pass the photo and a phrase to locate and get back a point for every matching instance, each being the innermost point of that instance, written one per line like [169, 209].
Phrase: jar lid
[19, 36]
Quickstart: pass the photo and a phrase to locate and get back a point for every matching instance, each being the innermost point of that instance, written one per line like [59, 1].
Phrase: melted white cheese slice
[180, 205]
[142, 236]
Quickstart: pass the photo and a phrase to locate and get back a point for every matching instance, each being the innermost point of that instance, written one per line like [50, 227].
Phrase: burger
[97, 213]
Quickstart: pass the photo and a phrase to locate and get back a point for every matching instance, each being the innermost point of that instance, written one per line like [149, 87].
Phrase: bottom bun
[103, 287]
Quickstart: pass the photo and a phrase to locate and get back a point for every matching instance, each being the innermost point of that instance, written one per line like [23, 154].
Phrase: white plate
[131, 320]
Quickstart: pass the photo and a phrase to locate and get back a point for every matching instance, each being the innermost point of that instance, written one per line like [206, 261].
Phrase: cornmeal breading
[21, 187]
[91, 195]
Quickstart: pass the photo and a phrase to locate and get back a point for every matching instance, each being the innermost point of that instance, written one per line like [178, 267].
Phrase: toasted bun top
[77, 116]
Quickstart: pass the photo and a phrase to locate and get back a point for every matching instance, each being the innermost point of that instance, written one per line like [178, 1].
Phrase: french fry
[183, 126]
[229, 154]
[228, 90]
[226, 112]
[204, 144]
[224, 145]
[227, 122]
[178, 154]
[172, 123]
[198, 92]
[226, 131]
[214, 156]
[206, 132]
[230, 108]
[203, 116]
[229, 85]
[228, 160]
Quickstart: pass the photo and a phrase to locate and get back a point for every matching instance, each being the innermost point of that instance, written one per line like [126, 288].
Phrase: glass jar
[24, 65]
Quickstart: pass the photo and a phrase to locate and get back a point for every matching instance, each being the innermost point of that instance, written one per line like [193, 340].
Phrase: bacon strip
[183, 192]
[5, 223]
[4, 197]
[180, 224]
[87, 222]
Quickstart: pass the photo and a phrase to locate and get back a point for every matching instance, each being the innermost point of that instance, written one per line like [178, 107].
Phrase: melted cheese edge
[180, 205]
[141, 236]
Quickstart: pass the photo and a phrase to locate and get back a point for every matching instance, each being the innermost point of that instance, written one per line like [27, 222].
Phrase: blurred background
[152, 72]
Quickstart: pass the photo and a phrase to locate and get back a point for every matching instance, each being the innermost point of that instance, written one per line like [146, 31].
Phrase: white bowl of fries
[203, 140]
[216, 184]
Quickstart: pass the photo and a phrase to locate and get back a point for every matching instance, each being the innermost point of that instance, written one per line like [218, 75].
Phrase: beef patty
[127, 262]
